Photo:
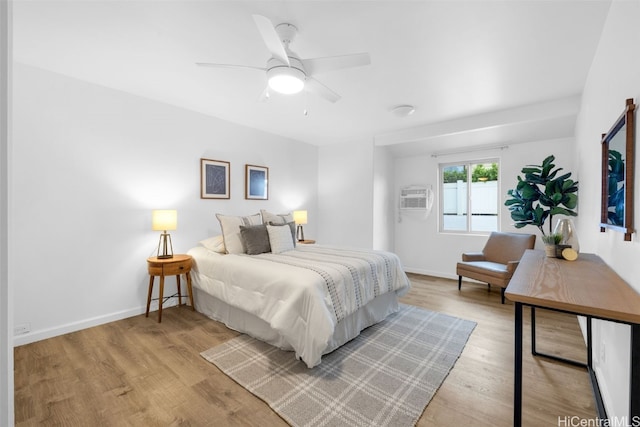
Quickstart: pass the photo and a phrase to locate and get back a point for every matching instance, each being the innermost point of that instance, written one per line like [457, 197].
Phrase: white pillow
[280, 238]
[215, 244]
[268, 217]
[230, 226]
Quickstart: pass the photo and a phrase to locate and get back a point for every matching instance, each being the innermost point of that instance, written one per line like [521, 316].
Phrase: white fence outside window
[484, 204]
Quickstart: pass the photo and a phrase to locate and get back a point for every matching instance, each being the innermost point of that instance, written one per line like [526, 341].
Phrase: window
[469, 208]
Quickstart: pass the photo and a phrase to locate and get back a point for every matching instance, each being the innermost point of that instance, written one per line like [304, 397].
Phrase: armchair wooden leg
[459, 282]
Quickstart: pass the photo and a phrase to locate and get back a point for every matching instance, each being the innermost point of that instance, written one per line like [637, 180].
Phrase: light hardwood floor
[137, 372]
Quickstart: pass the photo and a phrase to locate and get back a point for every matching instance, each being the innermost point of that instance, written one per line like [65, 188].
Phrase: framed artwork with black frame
[215, 179]
[256, 182]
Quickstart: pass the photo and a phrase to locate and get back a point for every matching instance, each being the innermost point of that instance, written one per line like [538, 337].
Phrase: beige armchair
[498, 260]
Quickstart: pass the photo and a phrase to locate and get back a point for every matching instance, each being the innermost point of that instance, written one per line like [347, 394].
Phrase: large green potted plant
[541, 194]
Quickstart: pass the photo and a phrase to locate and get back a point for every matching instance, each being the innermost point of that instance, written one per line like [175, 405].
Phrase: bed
[309, 299]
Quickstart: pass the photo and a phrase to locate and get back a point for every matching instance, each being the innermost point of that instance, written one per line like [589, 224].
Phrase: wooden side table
[306, 242]
[179, 264]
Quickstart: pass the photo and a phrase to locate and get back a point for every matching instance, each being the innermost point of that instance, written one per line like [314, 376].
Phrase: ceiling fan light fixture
[286, 80]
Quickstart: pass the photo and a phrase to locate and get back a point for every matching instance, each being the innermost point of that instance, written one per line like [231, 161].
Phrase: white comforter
[303, 293]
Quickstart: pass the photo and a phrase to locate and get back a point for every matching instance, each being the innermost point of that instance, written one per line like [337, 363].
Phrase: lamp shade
[300, 217]
[162, 220]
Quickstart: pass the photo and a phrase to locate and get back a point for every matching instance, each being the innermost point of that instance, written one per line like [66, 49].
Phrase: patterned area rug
[384, 377]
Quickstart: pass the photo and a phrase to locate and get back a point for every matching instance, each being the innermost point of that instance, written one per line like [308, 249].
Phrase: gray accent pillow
[255, 239]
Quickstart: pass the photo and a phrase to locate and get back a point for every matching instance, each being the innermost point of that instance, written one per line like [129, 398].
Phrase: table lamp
[163, 220]
[300, 218]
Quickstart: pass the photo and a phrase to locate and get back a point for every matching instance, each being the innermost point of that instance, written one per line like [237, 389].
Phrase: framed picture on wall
[256, 182]
[214, 179]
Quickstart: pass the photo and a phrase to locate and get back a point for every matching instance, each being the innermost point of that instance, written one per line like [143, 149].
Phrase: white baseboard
[439, 274]
[431, 273]
[605, 393]
[43, 334]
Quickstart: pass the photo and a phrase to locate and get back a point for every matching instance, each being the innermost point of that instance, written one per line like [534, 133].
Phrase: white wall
[345, 194]
[89, 165]
[6, 288]
[385, 200]
[614, 77]
[425, 250]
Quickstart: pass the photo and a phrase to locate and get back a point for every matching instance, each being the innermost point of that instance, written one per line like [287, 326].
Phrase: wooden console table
[585, 287]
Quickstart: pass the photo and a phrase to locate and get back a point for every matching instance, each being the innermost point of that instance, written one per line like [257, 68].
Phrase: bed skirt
[347, 329]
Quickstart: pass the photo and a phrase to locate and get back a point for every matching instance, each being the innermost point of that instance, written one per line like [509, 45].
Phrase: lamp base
[300, 233]
[165, 250]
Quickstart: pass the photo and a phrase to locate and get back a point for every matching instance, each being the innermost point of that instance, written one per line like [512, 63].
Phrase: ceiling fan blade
[211, 65]
[330, 63]
[271, 38]
[313, 85]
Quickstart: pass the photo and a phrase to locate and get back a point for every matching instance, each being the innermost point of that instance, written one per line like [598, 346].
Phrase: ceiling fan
[286, 72]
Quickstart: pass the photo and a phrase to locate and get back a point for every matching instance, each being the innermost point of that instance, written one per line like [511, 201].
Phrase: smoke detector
[403, 110]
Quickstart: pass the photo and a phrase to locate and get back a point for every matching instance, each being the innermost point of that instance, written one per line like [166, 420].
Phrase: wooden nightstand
[306, 242]
[179, 264]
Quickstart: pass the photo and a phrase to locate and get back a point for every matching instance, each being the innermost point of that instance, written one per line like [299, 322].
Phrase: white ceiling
[479, 72]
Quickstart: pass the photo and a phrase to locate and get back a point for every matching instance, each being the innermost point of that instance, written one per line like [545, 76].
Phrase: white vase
[567, 229]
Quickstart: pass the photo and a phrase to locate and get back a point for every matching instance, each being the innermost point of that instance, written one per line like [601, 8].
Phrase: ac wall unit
[416, 198]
